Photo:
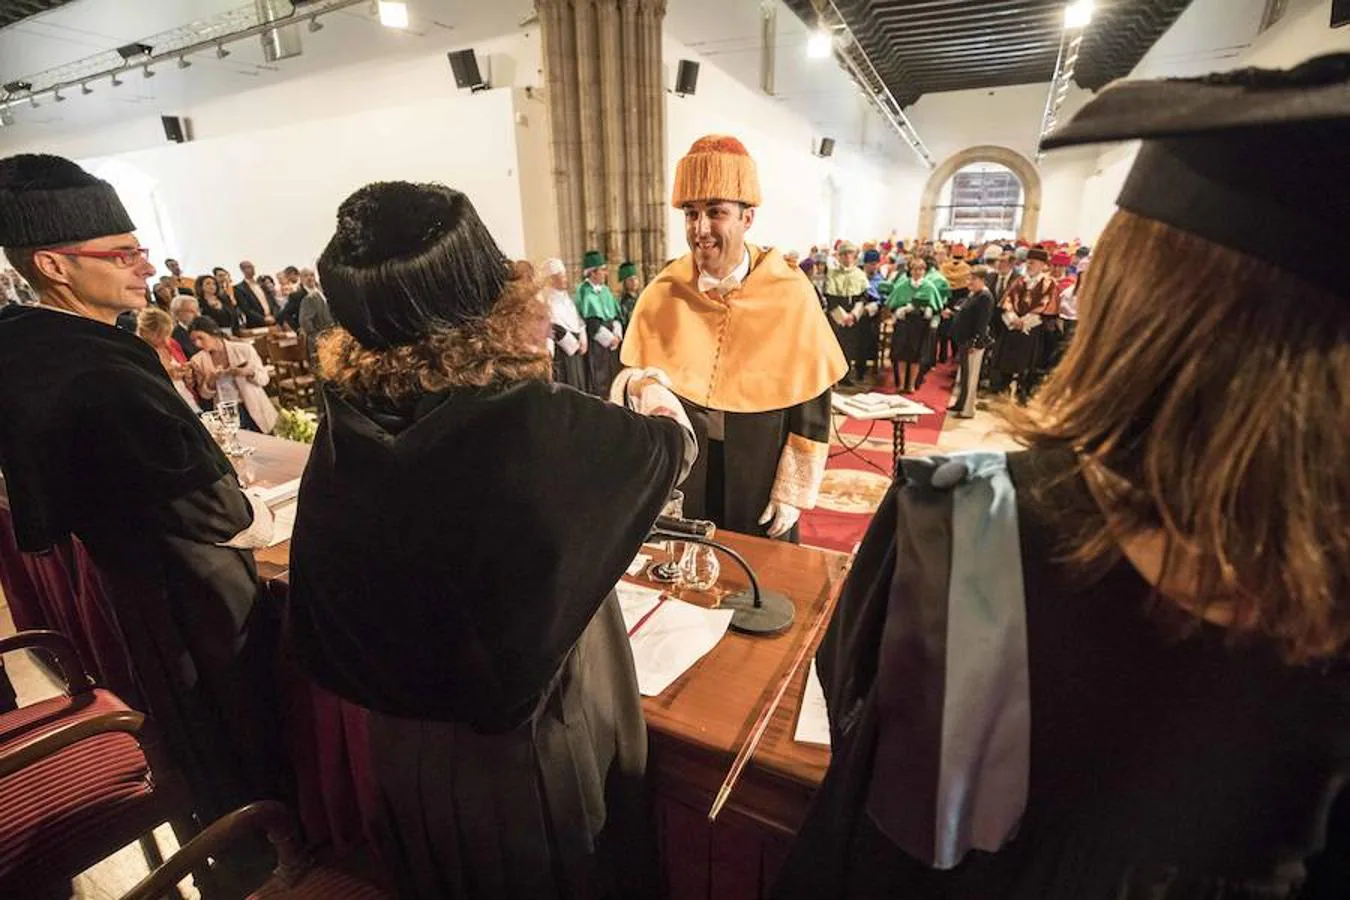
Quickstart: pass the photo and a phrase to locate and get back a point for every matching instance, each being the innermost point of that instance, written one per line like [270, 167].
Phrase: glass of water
[699, 567]
[229, 424]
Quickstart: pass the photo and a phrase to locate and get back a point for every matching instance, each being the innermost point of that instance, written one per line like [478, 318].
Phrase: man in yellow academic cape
[747, 348]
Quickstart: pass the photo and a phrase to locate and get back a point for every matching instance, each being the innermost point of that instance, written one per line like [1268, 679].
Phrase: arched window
[983, 201]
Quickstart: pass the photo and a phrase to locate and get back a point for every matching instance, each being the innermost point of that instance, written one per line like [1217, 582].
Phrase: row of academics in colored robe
[587, 328]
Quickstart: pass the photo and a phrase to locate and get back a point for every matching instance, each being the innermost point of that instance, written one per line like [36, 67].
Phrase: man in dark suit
[1000, 278]
[184, 310]
[970, 333]
[252, 299]
[290, 313]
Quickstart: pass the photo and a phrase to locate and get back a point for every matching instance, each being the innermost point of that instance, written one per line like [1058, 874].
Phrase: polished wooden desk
[699, 725]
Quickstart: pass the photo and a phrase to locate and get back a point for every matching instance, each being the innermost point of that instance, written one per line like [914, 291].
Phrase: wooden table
[699, 724]
[906, 414]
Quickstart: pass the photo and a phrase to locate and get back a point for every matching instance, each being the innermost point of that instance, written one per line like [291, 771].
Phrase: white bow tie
[725, 286]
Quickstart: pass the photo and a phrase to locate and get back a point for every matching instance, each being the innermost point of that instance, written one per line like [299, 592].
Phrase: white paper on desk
[638, 564]
[277, 494]
[672, 639]
[813, 723]
[283, 523]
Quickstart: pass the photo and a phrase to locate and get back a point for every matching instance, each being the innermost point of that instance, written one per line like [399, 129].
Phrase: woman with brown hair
[462, 524]
[213, 306]
[1117, 664]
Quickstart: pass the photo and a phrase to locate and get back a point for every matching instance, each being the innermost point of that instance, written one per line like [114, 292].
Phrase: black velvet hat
[407, 259]
[1257, 160]
[47, 201]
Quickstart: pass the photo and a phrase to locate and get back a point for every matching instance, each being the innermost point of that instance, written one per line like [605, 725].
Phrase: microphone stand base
[664, 573]
[775, 613]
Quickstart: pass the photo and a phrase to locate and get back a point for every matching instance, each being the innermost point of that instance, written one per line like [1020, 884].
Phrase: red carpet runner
[855, 482]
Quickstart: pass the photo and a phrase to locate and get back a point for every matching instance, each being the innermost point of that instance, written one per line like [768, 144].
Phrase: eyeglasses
[124, 258]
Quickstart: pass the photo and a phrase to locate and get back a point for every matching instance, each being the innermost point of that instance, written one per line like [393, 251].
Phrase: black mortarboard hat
[46, 201]
[1257, 160]
[408, 258]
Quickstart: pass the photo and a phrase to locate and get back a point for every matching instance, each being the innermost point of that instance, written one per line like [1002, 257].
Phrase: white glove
[784, 516]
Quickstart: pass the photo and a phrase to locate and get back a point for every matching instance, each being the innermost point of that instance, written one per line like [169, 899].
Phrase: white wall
[271, 195]
[807, 200]
[267, 168]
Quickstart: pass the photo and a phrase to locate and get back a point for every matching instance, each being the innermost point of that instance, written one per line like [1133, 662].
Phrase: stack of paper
[667, 636]
[276, 494]
[813, 723]
[283, 523]
[877, 406]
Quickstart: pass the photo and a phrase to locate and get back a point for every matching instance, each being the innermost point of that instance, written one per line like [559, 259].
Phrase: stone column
[606, 99]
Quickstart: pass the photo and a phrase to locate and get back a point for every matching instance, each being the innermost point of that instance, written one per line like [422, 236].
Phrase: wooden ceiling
[12, 11]
[928, 46]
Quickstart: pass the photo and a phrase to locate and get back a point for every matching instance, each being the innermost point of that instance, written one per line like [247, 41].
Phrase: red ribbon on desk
[647, 615]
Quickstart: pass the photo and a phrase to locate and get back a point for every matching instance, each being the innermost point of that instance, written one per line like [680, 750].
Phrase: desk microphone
[692, 527]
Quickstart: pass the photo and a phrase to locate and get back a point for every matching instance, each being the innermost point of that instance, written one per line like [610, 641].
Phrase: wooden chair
[81, 776]
[295, 384]
[295, 877]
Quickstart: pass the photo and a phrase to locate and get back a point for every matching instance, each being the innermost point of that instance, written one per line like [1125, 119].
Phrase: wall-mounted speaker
[826, 147]
[464, 63]
[686, 78]
[1340, 13]
[175, 129]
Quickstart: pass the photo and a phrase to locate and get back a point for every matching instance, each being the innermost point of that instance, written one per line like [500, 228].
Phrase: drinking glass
[229, 423]
[211, 419]
[668, 572]
[699, 567]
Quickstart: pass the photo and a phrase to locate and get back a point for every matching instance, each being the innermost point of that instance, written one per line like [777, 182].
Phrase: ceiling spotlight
[116, 82]
[393, 13]
[148, 72]
[1078, 14]
[221, 52]
[183, 62]
[32, 101]
[819, 45]
[315, 24]
[56, 95]
[86, 90]
[18, 87]
[6, 118]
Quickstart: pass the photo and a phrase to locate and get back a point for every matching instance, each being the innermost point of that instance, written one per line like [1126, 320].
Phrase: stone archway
[987, 153]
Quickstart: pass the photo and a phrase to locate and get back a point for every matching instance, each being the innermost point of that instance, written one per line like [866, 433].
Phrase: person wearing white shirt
[567, 342]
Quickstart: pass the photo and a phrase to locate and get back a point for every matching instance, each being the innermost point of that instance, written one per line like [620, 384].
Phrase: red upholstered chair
[295, 878]
[76, 778]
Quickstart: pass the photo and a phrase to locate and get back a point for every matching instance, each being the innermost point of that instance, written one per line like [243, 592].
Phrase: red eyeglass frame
[127, 257]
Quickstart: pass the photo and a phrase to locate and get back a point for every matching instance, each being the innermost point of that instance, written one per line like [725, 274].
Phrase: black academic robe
[453, 570]
[732, 479]
[602, 364]
[852, 338]
[1155, 766]
[627, 302]
[568, 370]
[95, 442]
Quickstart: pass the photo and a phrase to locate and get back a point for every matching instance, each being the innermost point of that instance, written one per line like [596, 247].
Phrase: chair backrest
[287, 356]
[295, 875]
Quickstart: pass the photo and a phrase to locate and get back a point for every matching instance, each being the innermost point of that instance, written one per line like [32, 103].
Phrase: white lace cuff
[801, 468]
